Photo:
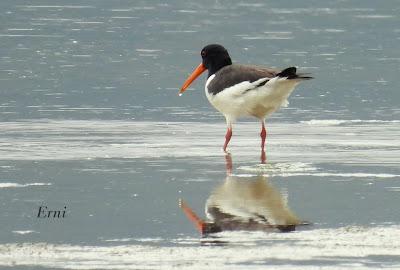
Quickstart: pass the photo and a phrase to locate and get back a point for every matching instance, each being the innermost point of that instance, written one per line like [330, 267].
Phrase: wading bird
[243, 90]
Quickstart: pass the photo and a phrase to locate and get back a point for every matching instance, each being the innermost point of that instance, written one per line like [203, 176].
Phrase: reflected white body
[251, 198]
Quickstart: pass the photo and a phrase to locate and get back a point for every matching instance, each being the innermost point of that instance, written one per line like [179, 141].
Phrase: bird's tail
[290, 74]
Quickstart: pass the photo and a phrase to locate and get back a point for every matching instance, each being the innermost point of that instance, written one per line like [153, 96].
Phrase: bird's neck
[217, 65]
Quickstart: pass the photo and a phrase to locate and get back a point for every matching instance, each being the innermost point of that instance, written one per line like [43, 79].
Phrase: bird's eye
[203, 53]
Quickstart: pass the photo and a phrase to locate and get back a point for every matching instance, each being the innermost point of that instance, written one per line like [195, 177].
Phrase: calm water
[90, 120]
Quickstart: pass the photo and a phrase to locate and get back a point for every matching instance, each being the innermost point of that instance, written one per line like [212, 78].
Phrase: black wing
[234, 74]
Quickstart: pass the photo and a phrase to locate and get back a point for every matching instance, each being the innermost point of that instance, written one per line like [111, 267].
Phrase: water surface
[90, 120]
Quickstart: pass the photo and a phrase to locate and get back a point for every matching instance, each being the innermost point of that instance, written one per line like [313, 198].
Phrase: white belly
[238, 100]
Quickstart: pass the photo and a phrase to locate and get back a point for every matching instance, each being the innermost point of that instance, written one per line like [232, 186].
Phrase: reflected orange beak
[196, 73]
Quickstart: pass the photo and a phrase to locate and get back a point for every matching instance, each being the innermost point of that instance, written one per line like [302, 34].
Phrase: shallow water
[91, 121]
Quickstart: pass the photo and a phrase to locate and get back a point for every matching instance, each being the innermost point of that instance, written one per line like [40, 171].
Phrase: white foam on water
[119, 240]
[315, 141]
[267, 37]
[346, 247]
[314, 11]
[335, 122]
[31, 35]
[374, 16]
[345, 175]
[276, 168]
[24, 232]
[397, 189]
[306, 169]
[149, 239]
[16, 185]
[148, 50]
[54, 6]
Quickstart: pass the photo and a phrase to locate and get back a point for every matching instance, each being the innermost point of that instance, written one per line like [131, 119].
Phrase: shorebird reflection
[244, 203]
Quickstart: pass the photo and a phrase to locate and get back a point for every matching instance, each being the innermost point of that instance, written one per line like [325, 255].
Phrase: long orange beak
[196, 73]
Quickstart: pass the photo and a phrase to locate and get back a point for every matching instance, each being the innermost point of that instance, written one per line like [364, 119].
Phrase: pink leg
[228, 136]
[263, 135]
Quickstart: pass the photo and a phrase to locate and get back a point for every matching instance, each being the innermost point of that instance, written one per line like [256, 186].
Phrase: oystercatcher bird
[243, 90]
